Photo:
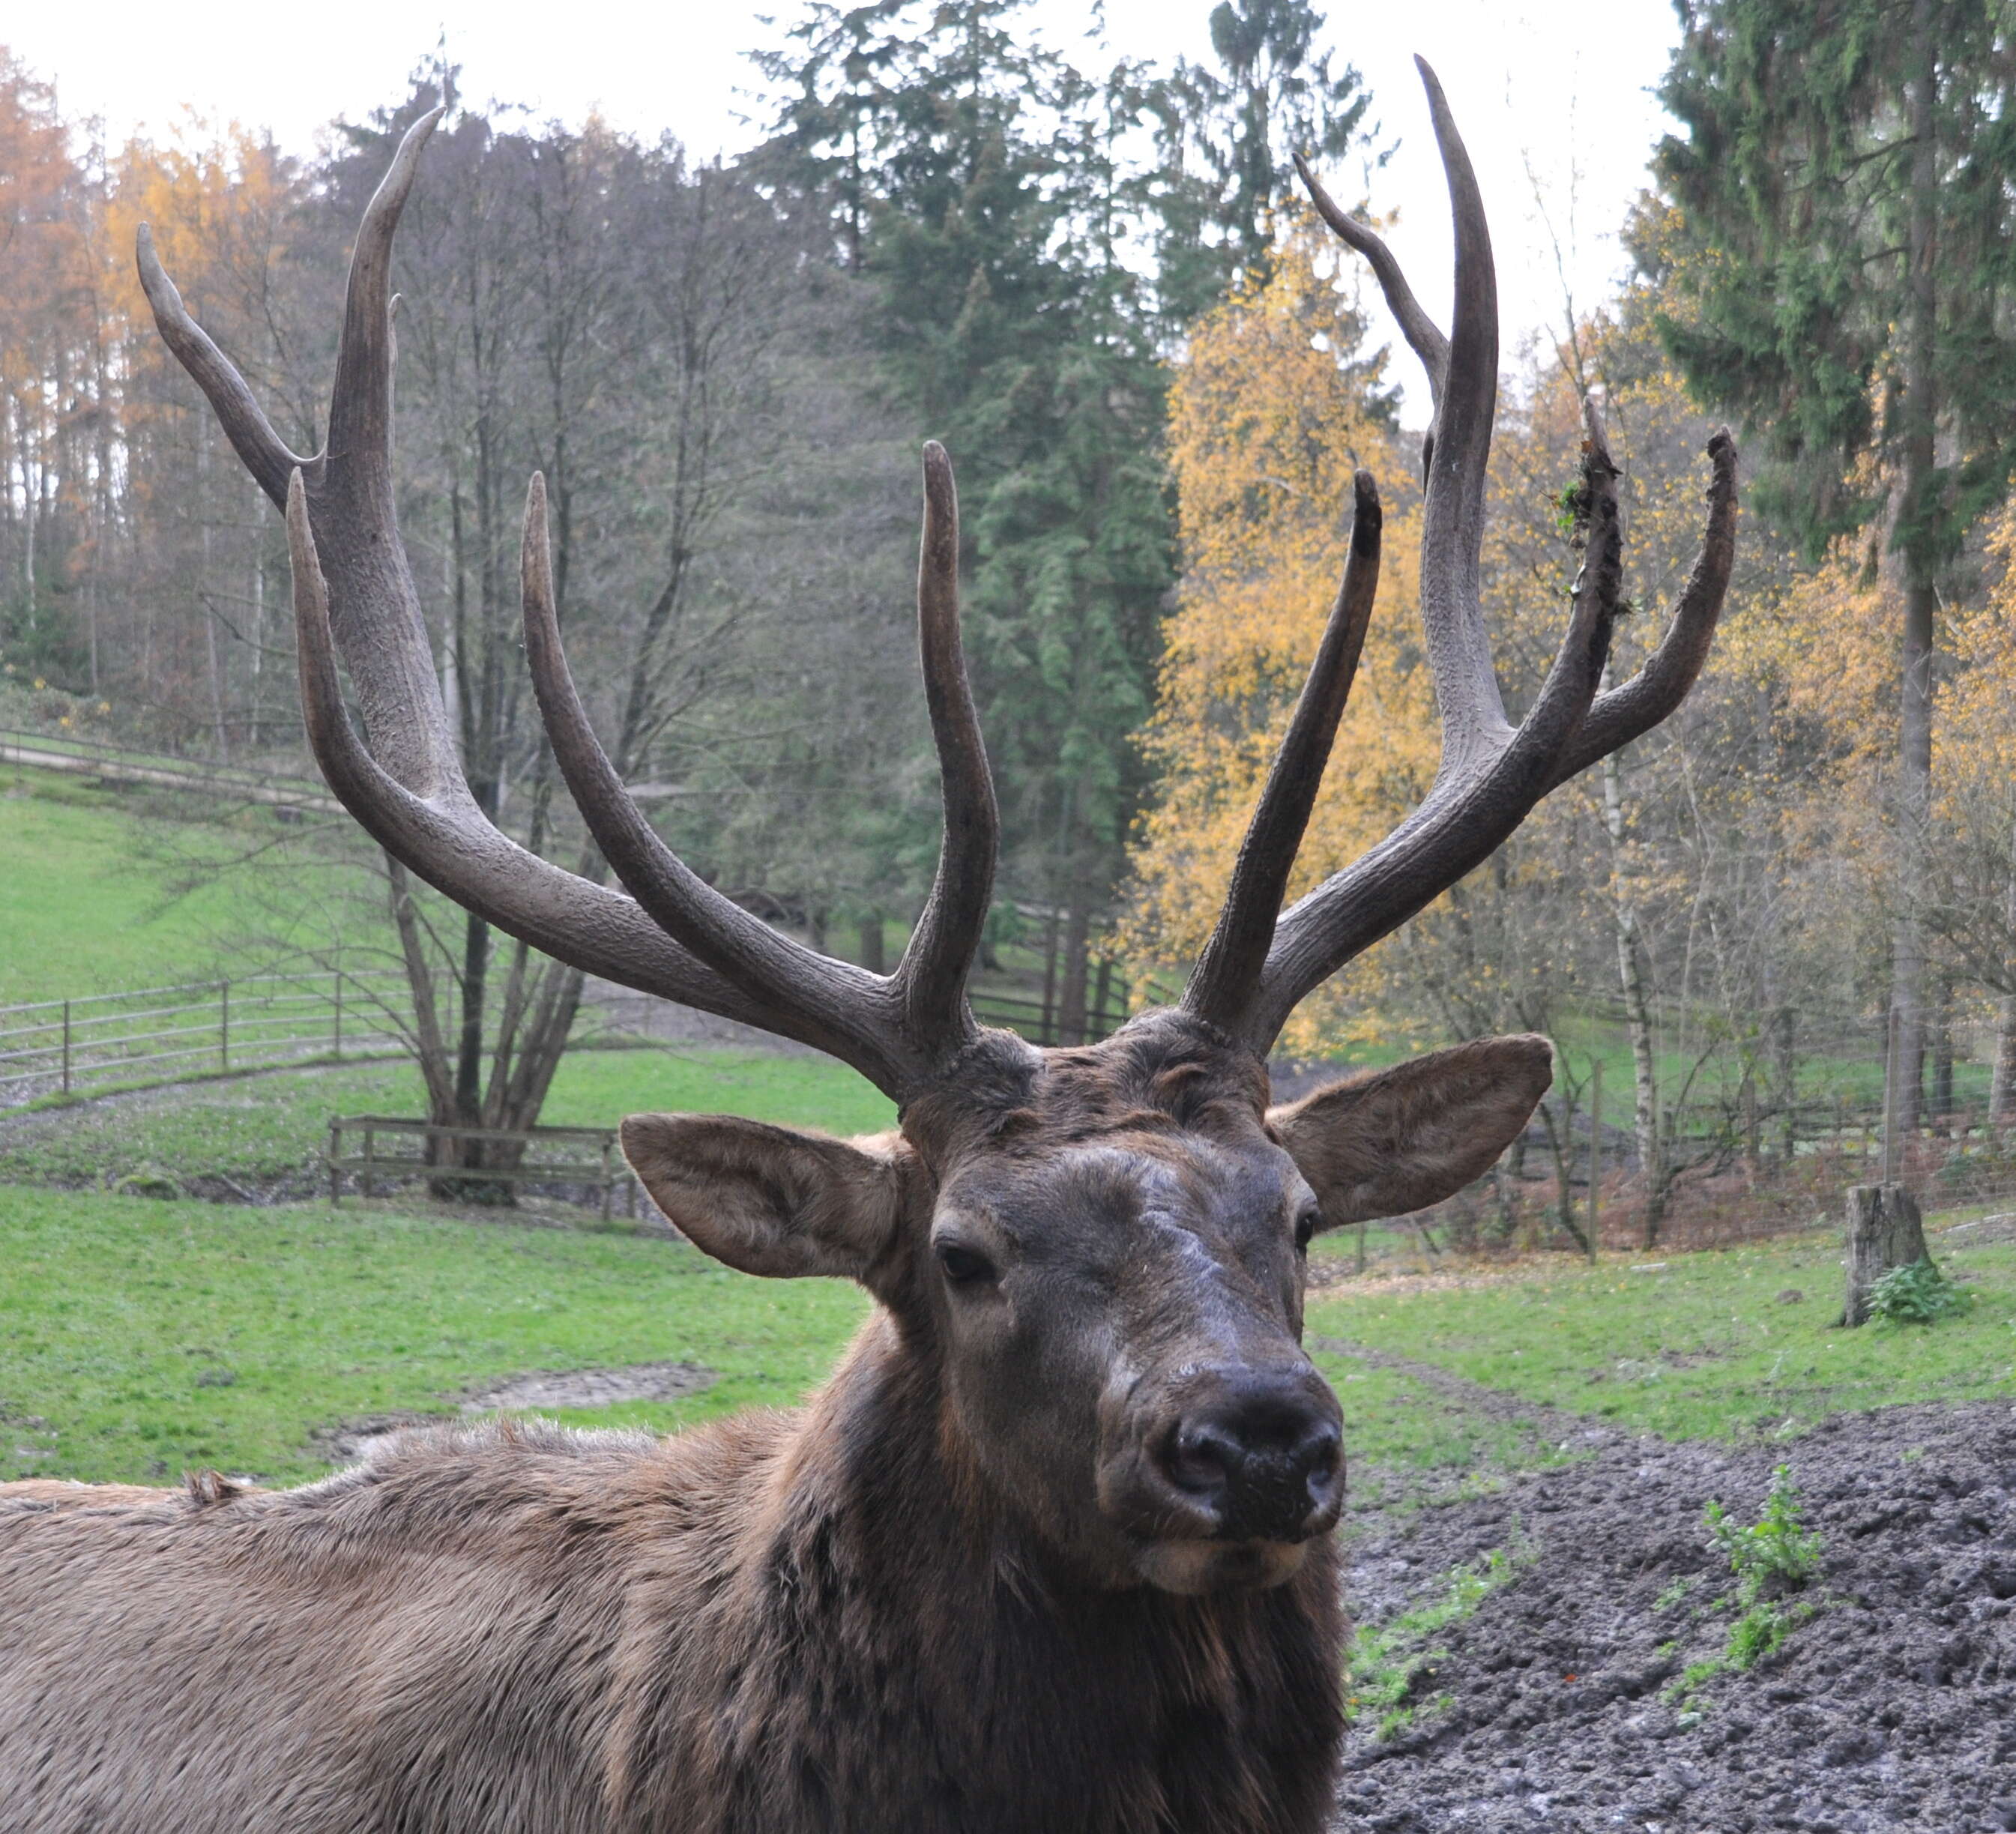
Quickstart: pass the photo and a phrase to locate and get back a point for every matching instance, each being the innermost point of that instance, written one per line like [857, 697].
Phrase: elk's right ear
[1385, 1142]
[767, 1200]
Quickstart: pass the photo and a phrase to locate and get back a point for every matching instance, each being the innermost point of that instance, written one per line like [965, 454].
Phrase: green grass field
[1704, 1347]
[140, 1339]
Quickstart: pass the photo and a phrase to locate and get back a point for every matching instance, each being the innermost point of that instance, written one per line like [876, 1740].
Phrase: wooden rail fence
[533, 1156]
[115, 764]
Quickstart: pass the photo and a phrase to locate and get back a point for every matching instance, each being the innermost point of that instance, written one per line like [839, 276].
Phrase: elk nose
[1262, 1453]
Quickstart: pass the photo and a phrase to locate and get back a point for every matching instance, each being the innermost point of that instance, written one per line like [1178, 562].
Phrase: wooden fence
[574, 1159]
[116, 764]
[166, 1034]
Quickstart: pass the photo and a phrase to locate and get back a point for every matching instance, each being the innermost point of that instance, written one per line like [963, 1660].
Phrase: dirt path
[1555, 1706]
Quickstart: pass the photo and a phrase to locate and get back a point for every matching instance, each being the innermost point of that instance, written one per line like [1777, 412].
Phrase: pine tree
[1227, 138]
[1840, 262]
[983, 174]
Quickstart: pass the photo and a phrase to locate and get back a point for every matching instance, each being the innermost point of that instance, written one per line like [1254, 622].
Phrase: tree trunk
[1784, 1067]
[1942, 1055]
[1637, 1008]
[2002, 1096]
[1048, 1023]
[874, 954]
[1885, 1231]
[1071, 1028]
[1561, 1146]
[1102, 992]
[1912, 541]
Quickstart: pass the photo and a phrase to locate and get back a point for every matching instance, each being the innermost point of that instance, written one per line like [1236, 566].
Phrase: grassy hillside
[263, 1126]
[81, 908]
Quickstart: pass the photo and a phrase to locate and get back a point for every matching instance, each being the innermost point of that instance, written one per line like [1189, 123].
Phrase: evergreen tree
[1841, 265]
[982, 172]
[1228, 136]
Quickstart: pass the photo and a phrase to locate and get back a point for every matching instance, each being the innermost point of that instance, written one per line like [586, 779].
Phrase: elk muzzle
[1222, 1475]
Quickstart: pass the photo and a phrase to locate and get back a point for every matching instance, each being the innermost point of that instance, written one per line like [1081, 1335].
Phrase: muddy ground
[1558, 1705]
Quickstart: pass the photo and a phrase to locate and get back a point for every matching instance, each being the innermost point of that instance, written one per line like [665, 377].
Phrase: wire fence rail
[170, 1034]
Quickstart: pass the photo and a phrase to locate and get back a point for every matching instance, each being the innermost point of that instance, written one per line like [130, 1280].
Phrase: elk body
[1052, 1550]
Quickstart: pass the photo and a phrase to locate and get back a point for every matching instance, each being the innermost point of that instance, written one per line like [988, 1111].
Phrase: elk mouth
[1193, 1568]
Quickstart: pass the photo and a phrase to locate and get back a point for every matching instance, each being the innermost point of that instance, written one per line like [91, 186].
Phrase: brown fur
[911, 1605]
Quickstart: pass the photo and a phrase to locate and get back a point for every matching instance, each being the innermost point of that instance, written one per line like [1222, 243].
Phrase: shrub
[1919, 1293]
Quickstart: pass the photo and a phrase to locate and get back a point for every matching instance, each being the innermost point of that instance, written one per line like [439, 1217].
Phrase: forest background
[1100, 288]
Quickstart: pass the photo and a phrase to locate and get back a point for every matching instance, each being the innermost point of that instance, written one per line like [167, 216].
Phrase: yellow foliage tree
[1271, 412]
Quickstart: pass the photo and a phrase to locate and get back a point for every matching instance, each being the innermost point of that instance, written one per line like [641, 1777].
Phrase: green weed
[1918, 1294]
[1389, 1663]
[1771, 1558]
[1776, 1552]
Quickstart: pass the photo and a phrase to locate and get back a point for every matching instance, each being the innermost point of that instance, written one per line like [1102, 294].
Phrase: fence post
[335, 1153]
[607, 1191]
[224, 1024]
[370, 1136]
[65, 1070]
[336, 1023]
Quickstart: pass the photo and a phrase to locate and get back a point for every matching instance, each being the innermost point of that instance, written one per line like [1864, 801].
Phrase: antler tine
[830, 1004]
[1422, 335]
[930, 980]
[1473, 808]
[1222, 983]
[455, 851]
[354, 596]
[1624, 712]
[360, 411]
[1463, 376]
[1467, 693]
[262, 450]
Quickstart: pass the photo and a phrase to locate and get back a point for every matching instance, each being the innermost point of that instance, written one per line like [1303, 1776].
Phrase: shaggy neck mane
[916, 1649]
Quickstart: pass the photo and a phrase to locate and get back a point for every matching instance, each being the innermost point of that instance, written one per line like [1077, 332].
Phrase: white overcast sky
[1533, 102]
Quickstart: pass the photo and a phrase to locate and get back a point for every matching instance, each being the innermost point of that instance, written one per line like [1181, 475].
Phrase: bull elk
[1052, 1550]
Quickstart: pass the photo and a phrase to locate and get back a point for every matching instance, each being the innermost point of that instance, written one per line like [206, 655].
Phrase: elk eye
[1306, 1225]
[962, 1266]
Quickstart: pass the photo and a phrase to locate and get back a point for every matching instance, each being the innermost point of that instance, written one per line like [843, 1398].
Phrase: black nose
[1261, 1451]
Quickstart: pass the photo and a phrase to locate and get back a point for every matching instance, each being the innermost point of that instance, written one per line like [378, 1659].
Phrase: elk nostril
[1202, 1457]
[1319, 1450]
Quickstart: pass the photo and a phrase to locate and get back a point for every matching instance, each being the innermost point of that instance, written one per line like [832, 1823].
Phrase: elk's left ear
[769, 1200]
[1385, 1142]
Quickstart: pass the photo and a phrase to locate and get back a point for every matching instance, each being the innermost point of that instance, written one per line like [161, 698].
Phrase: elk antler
[1257, 966]
[675, 936]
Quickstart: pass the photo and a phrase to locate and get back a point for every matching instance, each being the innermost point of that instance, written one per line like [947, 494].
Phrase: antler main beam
[673, 935]
[1255, 969]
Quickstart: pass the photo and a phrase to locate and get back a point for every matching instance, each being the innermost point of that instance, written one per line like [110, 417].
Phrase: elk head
[1093, 1257]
